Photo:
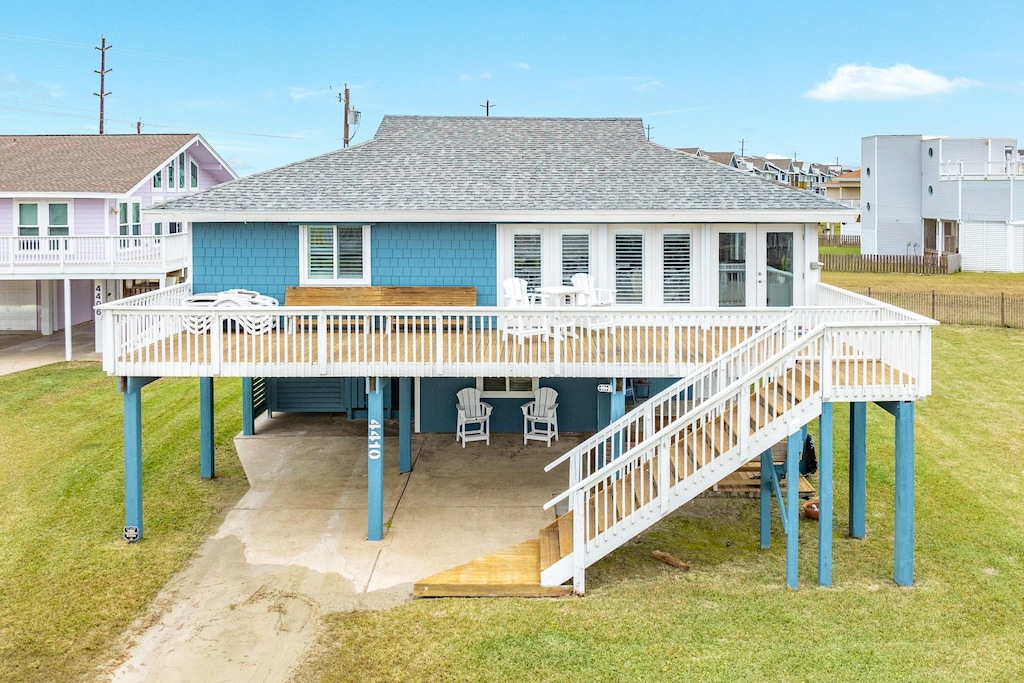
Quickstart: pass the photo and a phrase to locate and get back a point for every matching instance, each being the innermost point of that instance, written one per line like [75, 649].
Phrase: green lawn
[69, 585]
[731, 617]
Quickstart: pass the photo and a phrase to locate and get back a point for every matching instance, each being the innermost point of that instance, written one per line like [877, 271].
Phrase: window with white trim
[335, 254]
[129, 218]
[31, 217]
[676, 268]
[526, 258]
[178, 169]
[507, 387]
[629, 268]
[575, 255]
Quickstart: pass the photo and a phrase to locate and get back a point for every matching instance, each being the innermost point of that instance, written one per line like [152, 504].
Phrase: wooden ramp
[513, 572]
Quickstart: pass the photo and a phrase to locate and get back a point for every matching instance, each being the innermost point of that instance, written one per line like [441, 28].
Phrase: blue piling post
[903, 566]
[825, 501]
[618, 409]
[248, 412]
[405, 424]
[375, 458]
[766, 499]
[858, 469]
[206, 440]
[793, 450]
[133, 460]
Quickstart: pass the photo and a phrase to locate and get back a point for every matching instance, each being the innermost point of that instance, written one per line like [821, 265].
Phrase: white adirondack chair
[522, 325]
[540, 416]
[589, 294]
[474, 417]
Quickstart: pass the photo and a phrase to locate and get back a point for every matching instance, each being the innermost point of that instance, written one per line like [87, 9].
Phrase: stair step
[549, 552]
[565, 534]
[513, 572]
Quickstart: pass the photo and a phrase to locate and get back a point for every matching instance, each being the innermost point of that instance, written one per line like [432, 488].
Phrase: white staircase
[682, 442]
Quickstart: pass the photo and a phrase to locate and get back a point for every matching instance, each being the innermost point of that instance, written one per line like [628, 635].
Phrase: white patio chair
[474, 417]
[590, 294]
[540, 416]
[522, 325]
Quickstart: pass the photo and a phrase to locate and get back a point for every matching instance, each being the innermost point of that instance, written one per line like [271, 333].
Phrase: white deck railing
[99, 254]
[155, 334]
[980, 169]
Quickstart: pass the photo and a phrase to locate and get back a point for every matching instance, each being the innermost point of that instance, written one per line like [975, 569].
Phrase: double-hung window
[676, 268]
[58, 215]
[129, 218]
[629, 267]
[336, 254]
[28, 220]
[42, 219]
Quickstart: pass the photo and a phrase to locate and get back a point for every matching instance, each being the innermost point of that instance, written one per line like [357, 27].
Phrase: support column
[766, 499]
[131, 387]
[825, 502]
[248, 412]
[858, 469]
[405, 424]
[903, 566]
[206, 464]
[793, 449]
[67, 319]
[618, 409]
[375, 458]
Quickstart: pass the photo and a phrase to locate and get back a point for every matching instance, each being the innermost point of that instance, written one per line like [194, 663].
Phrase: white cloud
[523, 65]
[647, 86]
[297, 93]
[481, 77]
[866, 82]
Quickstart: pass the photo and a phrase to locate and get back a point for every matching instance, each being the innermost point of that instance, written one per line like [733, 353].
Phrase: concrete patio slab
[248, 604]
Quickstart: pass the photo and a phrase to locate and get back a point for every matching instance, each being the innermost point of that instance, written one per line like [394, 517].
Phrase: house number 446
[373, 447]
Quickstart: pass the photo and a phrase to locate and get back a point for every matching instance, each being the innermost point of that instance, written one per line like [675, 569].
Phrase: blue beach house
[396, 263]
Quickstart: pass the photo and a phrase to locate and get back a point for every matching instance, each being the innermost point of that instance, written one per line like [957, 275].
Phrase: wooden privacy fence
[929, 264]
[833, 240]
[958, 309]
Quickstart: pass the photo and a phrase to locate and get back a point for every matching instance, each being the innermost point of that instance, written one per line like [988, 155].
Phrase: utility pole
[648, 127]
[138, 127]
[487, 107]
[351, 115]
[743, 143]
[102, 72]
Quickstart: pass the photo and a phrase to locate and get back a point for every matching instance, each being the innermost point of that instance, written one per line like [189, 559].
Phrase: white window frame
[43, 227]
[304, 278]
[131, 225]
[508, 393]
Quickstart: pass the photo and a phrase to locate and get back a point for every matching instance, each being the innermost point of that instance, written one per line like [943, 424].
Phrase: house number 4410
[373, 447]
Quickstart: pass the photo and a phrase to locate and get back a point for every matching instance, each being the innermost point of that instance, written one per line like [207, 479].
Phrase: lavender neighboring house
[72, 233]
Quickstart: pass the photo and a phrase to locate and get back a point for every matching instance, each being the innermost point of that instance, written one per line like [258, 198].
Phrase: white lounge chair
[522, 325]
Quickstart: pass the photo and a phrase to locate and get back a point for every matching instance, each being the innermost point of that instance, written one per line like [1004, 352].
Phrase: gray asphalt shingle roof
[425, 163]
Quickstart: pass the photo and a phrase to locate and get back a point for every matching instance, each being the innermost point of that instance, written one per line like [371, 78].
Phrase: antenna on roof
[743, 147]
[102, 72]
[648, 127]
[487, 107]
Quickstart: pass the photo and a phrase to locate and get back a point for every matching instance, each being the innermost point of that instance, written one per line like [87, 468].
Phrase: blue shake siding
[265, 256]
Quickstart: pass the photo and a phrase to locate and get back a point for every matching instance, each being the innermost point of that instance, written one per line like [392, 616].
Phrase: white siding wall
[90, 217]
[894, 191]
[995, 247]
[6, 217]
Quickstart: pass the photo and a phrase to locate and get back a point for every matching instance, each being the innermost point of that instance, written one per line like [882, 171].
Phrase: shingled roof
[500, 164]
[83, 163]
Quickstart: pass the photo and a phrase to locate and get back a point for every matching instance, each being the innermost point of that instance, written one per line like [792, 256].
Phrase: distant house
[927, 194]
[71, 212]
[711, 277]
[845, 189]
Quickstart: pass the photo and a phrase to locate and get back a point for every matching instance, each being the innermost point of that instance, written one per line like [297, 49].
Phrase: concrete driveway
[248, 604]
[26, 350]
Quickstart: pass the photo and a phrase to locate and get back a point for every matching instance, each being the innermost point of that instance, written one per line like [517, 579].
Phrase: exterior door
[756, 266]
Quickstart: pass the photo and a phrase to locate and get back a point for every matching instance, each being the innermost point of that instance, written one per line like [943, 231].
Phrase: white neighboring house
[72, 233]
[927, 194]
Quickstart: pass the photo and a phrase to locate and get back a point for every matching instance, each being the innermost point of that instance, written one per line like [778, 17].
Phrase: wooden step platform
[746, 483]
[513, 572]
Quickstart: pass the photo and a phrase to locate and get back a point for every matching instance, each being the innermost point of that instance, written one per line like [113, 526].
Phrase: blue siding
[260, 256]
[436, 254]
[265, 256]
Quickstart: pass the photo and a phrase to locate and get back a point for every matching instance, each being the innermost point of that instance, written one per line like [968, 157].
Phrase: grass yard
[1012, 284]
[853, 249]
[731, 617]
[69, 585]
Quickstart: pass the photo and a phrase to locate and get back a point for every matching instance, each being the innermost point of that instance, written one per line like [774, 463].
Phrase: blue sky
[260, 80]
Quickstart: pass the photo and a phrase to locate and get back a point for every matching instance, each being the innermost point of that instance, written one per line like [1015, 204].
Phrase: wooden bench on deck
[381, 295]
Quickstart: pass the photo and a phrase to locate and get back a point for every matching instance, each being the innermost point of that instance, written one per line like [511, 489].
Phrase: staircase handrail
[697, 412]
[664, 397]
